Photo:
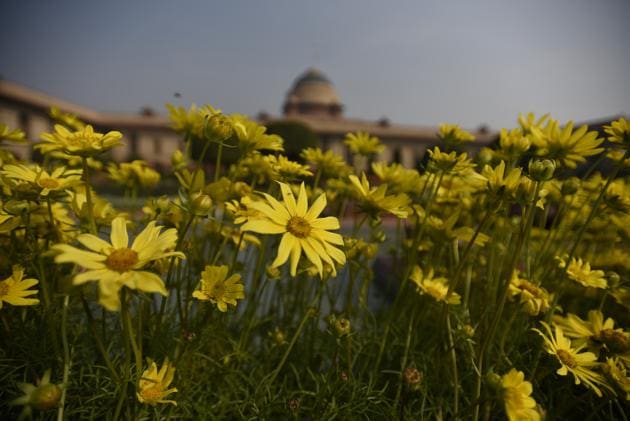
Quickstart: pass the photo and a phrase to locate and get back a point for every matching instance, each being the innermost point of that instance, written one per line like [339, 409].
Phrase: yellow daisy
[83, 142]
[564, 145]
[362, 143]
[14, 289]
[219, 290]
[375, 199]
[452, 134]
[582, 273]
[534, 299]
[154, 383]
[594, 332]
[35, 177]
[435, 287]
[580, 364]
[519, 405]
[115, 264]
[302, 229]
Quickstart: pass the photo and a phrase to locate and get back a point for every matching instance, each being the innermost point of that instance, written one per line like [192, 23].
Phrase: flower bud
[46, 396]
[200, 203]
[570, 186]
[178, 160]
[412, 378]
[16, 207]
[342, 327]
[494, 381]
[613, 279]
[541, 170]
[219, 128]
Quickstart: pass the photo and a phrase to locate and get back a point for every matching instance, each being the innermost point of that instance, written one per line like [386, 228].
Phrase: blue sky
[416, 62]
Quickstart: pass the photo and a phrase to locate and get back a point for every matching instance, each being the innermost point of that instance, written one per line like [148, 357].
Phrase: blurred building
[312, 100]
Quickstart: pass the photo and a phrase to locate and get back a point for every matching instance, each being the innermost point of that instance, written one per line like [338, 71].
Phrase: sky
[414, 62]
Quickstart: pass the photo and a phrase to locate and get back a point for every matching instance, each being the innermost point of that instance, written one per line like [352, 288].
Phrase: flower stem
[66, 356]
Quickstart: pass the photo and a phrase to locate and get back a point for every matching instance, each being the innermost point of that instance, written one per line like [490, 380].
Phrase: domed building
[313, 94]
[312, 100]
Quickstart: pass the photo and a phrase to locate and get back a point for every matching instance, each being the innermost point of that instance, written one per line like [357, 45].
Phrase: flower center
[4, 289]
[566, 358]
[299, 227]
[121, 260]
[152, 394]
[218, 290]
[48, 183]
[616, 341]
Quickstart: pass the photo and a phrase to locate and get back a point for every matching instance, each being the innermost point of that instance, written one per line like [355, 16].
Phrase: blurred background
[396, 69]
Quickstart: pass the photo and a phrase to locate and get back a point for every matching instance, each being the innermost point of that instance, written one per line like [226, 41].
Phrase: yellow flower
[302, 230]
[219, 290]
[327, 162]
[375, 199]
[362, 143]
[513, 143]
[565, 146]
[135, 174]
[11, 135]
[115, 264]
[286, 169]
[153, 385]
[619, 373]
[14, 289]
[35, 177]
[519, 405]
[529, 123]
[398, 178]
[452, 134]
[534, 299]
[435, 287]
[453, 162]
[594, 332]
[83, 142]
[71, 121]
[619, 131]
[580, 364]
[498, 182]
[253, 137]
[581, 273]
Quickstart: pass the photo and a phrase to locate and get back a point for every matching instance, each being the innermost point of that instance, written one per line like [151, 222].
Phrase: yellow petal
[284, 249]
[263, 226]
[119, 236]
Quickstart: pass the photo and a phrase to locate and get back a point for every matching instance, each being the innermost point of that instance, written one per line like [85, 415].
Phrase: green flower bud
[541, 170]
[342, 327]
[178, 160]
[570, 186]
[46, 396]
[613, 279]
[494, 381]
[201, 203]
[17, 207]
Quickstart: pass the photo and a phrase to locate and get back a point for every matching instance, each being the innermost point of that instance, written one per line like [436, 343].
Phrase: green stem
[217, 168]
[66, 356]
[296, 335]
[97, 340]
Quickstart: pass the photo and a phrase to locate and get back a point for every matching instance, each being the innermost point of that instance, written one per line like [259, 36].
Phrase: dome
[313, 93]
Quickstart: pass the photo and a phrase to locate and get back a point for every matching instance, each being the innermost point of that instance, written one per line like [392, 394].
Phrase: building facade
[312, 100]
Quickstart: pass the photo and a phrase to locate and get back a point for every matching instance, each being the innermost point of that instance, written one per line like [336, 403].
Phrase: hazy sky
[416, 62]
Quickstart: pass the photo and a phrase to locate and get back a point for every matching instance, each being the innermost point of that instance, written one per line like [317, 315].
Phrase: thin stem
[66, 356]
